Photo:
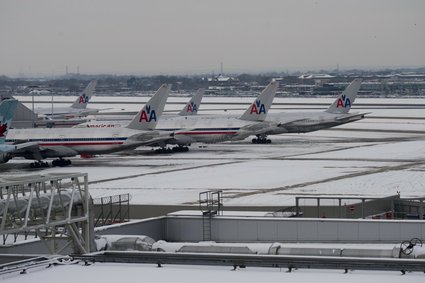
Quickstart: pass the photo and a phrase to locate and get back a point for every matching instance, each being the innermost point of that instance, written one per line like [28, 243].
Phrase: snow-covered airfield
[378, 156]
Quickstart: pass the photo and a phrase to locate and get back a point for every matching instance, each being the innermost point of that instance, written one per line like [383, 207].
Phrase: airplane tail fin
[85, 96]
[148, 116]
[192, 107]
[258, 110]
[345, 100]
[7, 111]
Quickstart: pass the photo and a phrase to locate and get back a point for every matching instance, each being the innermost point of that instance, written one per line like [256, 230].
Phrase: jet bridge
[53, 207]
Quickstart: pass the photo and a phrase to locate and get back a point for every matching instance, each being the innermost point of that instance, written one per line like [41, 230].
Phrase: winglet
[192, 107]
[85, 96]
[258, 110]
[345, 100]
[7, 111]
[148, 116]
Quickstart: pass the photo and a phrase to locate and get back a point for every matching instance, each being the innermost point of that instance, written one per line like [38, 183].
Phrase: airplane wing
[159, 138]
[260, 128]
[294, 122]
[353, 117]
[24, 146]
[341, 119]
[33, 150]
[150, 138]
[97, 111]
[6, 151]
[76, 114]
[270, 128]
[7, 148]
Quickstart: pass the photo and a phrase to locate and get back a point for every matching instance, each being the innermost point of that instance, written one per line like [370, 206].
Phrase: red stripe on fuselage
[206, 133]
[79, 143]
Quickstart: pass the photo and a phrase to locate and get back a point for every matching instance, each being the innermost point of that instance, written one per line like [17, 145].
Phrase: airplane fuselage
[304, 122]
[212, 129]
[65, 112]
[82, 141]
[199, 128]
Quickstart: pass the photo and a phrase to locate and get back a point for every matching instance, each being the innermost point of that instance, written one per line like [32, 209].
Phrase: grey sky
[187, 36]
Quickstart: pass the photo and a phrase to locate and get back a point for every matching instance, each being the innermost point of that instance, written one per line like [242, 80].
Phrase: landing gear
[261, 140]
[171, 150]
[180, 148]
[61, 162]
[163, 150]
[39, 164]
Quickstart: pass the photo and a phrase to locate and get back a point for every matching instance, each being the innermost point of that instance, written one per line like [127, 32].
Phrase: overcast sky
[192, 36]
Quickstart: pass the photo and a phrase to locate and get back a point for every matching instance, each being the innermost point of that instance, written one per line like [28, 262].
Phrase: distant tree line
[109, 84]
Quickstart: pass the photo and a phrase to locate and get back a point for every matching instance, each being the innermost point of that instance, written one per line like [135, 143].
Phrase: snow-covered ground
[371, 157]
[116, 272]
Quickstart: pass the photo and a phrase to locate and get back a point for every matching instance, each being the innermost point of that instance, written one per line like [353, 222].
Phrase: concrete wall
[370, 207]
[245, 229]
[184, 229]
[254, 229]
[35, 247]
[154, 228]
[146, 211]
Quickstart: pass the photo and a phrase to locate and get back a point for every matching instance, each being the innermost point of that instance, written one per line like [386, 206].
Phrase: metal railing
[250, 260]
[112, 209]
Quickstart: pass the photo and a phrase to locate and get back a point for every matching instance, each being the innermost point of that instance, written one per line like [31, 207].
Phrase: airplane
[190, 108]
[219, 128]
[7, 111]
[211, 128]
[303, 122]
[38, 144]
[77, 109]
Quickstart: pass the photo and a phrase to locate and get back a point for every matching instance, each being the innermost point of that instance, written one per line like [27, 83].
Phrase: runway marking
[347, 176]
[161, 172]
[238, 160]
[230, 153]
[416, 132]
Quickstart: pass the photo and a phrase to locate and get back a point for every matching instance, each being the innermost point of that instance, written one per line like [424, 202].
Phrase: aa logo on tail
[191, 108]
[257, 107]
[343, 102]
[147, 115]
[83, 99]
[3, 129]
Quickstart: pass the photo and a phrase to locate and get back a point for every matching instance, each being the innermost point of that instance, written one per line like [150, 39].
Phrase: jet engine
[5, 157]
[182, 140]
